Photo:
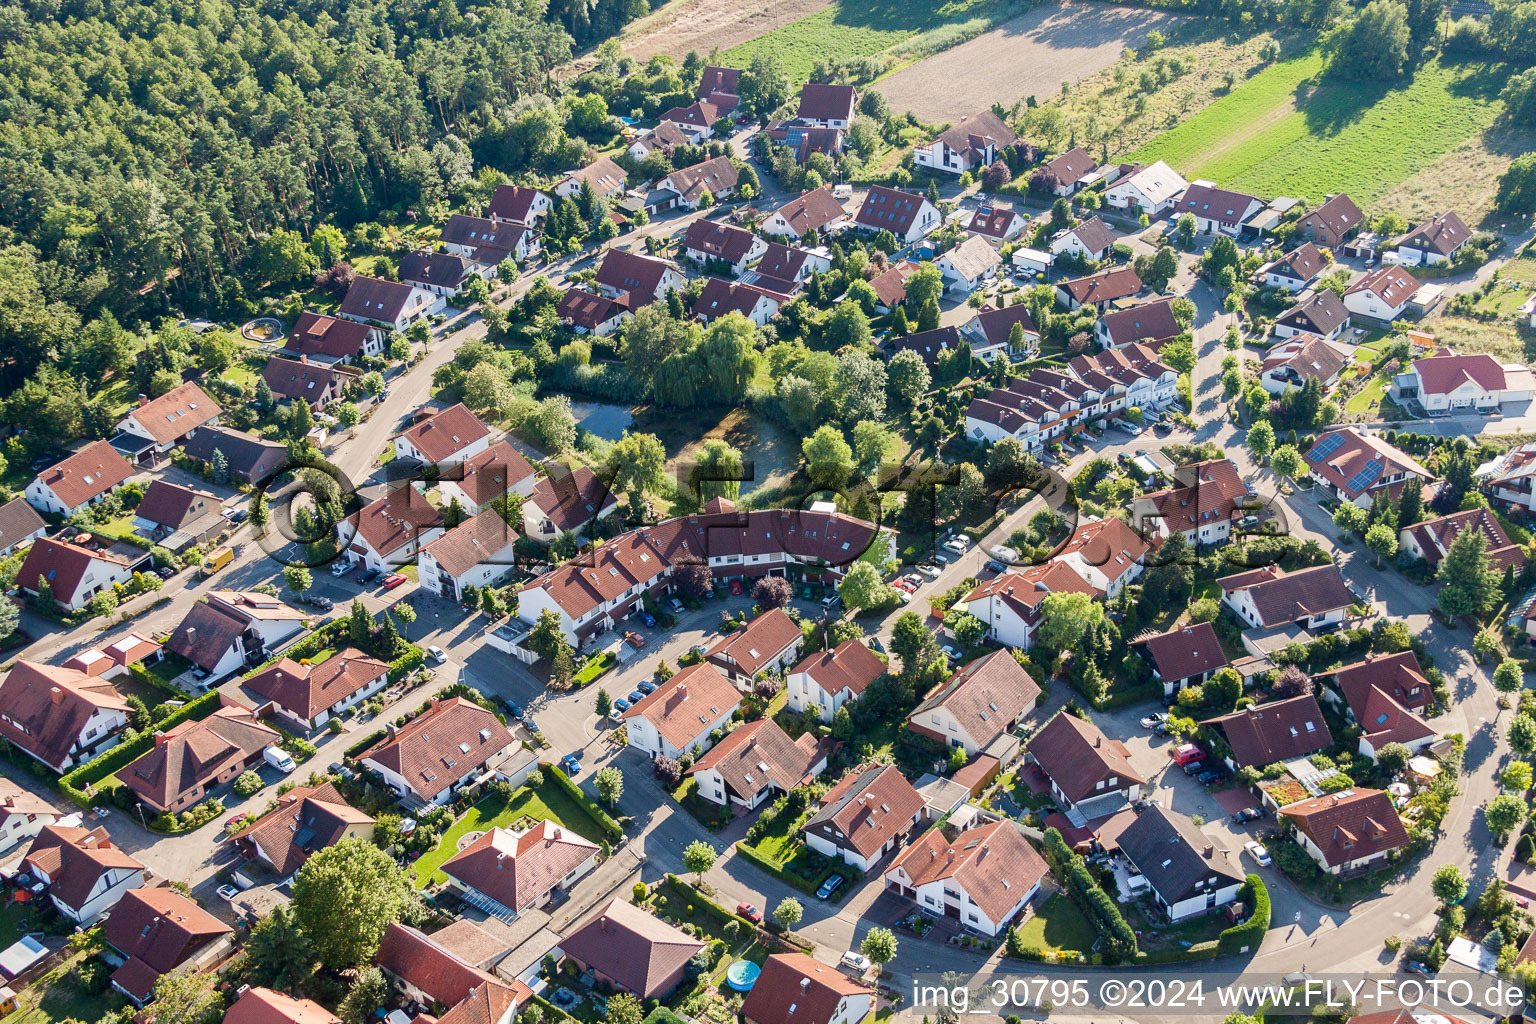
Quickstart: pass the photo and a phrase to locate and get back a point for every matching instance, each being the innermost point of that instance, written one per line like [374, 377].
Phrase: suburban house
[161, 424]
[1216, 210]
[1281, 730]
[1188, 875]
[864, 816]
[1446, 382]
[505, 873]
[1107, 553]
[1315, 598]
[1432, 538]
[1321, 313]
[768, 644]
[632, 950]
[1009, 603]
[970, 144]
[81, 479]
[428, 971]
[443, 438]
[1090, 240]
[268, 1006]
[476, 552]
[441, 273]
[453, 744]
[1303, 357]
[811, 211]
[230, 629]
[481, 480]
[795, 987]
[721, 297]
[1354, 466]
[997, 224]
[85, 874]
[168, 510]
[308, 696]
[891, 285]
[1090, 774]
[1347, 832]
[249, 459]
[969, 265]
[715, 178]
[488, 243]
[326, 339]
[783, 269]
[1331, 224]
[156, 931]
[1152, 190]
[59, 716]
[721, 86]
[827, 106]
[317, 385]
[664, 138]
[931, 345]
[1294, 271]
[1099, 290]
[606, 178]
[519, 205]
[755, 762]
[1435, 241]
[75, 574]
[188, 761]
[1201, 504]
[566, 501]
[1382, 294]
[1184, 656]
[1149, 323]
[906, 215]
[990, 333]
[390, 531]
[1068, 171]
[979, 706]
[644, 279]
[827, 680]
[589, 313]
[307, 819]
[682, 712]
[696, 122]
[22, 814]
[1385, 695]
[114, 659]
[708, 240]
[1507, 478]
[392, 304]
[983, 879]
[20, 525]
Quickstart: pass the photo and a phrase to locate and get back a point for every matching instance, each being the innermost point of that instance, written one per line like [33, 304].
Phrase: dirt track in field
[1028, 56]
[706, 25]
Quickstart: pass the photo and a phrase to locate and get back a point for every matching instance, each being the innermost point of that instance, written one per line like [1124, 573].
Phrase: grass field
[549, 802]
[1291, 131]
[1504, 341]
[852, 29]
[1058, 925]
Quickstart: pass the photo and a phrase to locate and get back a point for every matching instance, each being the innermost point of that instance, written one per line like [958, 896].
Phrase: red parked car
[749, 912]
[1187, 754]
[393, 580]
[635, 638]
[736, 587]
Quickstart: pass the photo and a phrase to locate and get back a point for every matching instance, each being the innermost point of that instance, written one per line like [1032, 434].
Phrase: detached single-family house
[716, 178]
[1446, 382]
[1354, 466]
[1149, 323]
[1151, 190]
[826, 680]
[816, 211]
[475, 553]
[1069, 171]
[799, 988]
[1436, 241]
[488, 243]
[1216, 210]
[1382, 294]
[441, 273]
[721, 85]
[1099, 290]
[1281, 730]
[1331, 224]
[506, 873]
[1322, 313]
[864, 816]
[81, 479]
[1009, 603]
[589, 313]
[1303, 357]
[188, 761]
[390, 531]
[891, 285]
[307, 819]
[720, 297]
[519, 205]
[1432, 539]
[481, 480]
[664, 138]
[168, 509]
[309, 696]
[696, 121]
[157, 931]
[394, 304]
[757, 761]
[979, 705]
[997, 224]
[782, 269]
[1090, 240]
[631, 949]
[982, 880]
[682, 712]
[1188, 875]
[85, 873]
[968, 265]
[315, 384]
[970, 144]
[643, 278]
[165, 422]
[20, 525]
[1201, 504]
[707, 240]
[22, 815]
[73, 573]
[566, 501]
[59, 716]
[906, 215]
[1295, 270]
[430, 758]
[249, 459]
[1315, 598]
[827, 106]
[231, 629]
[327, 339]
[443, 438]
[1385, 695]
[990, 333]
[1184, 656]
[1347, 832]
[267, 1006]
[767, 644]
[1090, 774]
[606, 178]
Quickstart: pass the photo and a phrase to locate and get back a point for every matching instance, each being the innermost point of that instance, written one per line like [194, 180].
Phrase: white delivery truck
[278, 758]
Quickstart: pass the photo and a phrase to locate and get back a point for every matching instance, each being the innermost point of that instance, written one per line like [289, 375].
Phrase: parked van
[1003, 553]
[842, 191]
[278, 758]
[216, 560]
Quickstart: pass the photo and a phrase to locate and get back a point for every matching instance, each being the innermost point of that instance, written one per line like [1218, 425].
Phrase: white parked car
[931, 571]
[438, 655]
[1258, 853]
[856, 961]
[228, 892]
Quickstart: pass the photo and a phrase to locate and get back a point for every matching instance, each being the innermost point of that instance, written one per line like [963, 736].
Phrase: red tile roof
[395, 519]
[316, 334]
[1071, 166]
[604, 175]
[1282, 597]
[637, 950]
[1280, 730]
[889, 209]
[93, 470]
[195, 753]
[752, 647]
[307, 690]
[1105, 286]
[306, 819]
[1204, 493]
[172, 505]
[491, 474]
[74, 859]
[758, 754]
[1149, 321]
[1442, 234]
[1186, 651]
[820, 102]
[158, 930]
[265, 1006]
[589, 310]
[571, 498]
[473, 542]
[446, 433]
[1078, 756]
[517, 870]
[633, 272]
[62, 564]
[684, 705]
[44, 708]
[1350, 825]
[1435, 537]
[891, 285]
[994, 865]
[811, 211]
[794, 988]
[985, 696]
[513, 202]
[1445, 371]
[428, 751]
[869, 806]
[1392, 285]
[176, 413]
[418, 961]
[851, 666]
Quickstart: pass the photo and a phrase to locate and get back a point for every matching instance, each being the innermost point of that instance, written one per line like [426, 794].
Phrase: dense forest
[147, 150]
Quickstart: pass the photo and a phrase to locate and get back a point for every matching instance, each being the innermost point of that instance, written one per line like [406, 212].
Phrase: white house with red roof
[257, 1005]
[392, 304]
[982, 880]
[979, 705]
[606, 178]
[22, 814]
[720, 297]
[566, 500]
[795, 987]
[643, 278]
[326, 339]
[827, 106]
[826, 680]
[427, 760]
[969, 144]
[1184, 656]
[59, 716]
[443, 438]
[1090, 240]
[1009, 603]
[906, 215]
[1435, 241]
[864, 816]
[1386, 695]
[1347, 832]
[816, 210]
[1217, 210]
[1090, 774]
[390, 531]
[755, 762]
[506, 873]
[480, 480]
[997, 224]
[473, 554]
[82, 479]
[1382, 294]
[1201, 505]
[707, 240]
[1446, 382]
[682, 712]
[519, 204]
[1314, 598]
[167, 421]
[308, 696]
[85, 873]
[767, 644]
[1107, 553]
[75, 574]
[1353, 465]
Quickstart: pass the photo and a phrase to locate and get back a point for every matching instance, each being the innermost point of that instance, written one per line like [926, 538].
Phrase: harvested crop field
[1030, 55]
[707, 25]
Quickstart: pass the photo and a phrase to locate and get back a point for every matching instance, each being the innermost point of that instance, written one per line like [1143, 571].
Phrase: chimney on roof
[805, 983]
[160, 738]
[56, 695]
[143, 401]
[951, 852]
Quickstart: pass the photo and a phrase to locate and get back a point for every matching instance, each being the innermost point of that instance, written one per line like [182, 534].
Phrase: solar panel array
[1326, 446]
[1363, 479]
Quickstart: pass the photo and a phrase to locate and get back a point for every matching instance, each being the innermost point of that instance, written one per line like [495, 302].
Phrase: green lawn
[1058, 925]
[1292, 131]
[1522, 270]
[851, 29]
[548, 802]
[1503, 300]
[1361, 403]
[55, 997]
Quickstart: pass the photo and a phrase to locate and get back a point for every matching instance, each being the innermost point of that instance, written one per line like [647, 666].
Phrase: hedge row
[148, 678]
[1251, 932]
[776, 869]
[73, 784]
[604, 820]
[364, 743]
[406, 663]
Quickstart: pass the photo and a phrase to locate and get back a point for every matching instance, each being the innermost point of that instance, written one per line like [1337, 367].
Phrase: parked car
[1153, 719]
[736, 587]
[749, 912]
[875, 644]
[228, 893]
[514, 710]
[1208, 778]
[854, 961]
[437, 654]
[635, 639]
[995, 566]
[621, 705]
[235, 516]
[1162, 429]
[1415, 967]
[951, 652]
[165, 572]
[339, 569]
[904, 586]
[646, 688]
[1258, 853]
[1194, 768]
[635, 696]
[675, 605]
[233, 824]
[829, 887]
[393, 580]
[914, 578]
[1186, 753]
[1246, 814]
[278, 758]
[322, 602]
[570, 764]
[931, 571]
[648, 619]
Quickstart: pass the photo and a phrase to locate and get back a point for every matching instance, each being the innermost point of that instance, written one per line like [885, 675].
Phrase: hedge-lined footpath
[1247, 936]
[604, 820]
[89, 774]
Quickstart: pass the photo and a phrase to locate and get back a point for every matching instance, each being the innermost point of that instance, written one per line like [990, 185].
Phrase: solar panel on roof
[1326, 446]
[1363, 479]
